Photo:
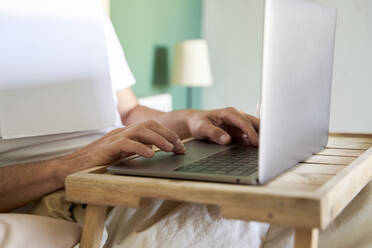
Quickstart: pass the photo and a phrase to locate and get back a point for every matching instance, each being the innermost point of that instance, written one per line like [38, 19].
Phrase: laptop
[298, 53]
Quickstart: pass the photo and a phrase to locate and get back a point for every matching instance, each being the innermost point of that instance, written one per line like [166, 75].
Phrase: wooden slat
[350, 140]
[337, 193]
[341, 152]
[336, 160]
[346, 145]
[293, 186]
[362, 140]
[352, 137]
[306, 238]
[265, 214]
[327, 169]
[94, 222]
[305, 176]
[362, 135]
[302, 178]
[93, 192]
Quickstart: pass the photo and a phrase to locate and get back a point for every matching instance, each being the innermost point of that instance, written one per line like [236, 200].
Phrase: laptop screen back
[296, 83]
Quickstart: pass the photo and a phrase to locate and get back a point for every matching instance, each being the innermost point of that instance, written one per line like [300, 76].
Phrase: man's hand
[218, 125]
[221, 125]
[133, 139]
[23, 183]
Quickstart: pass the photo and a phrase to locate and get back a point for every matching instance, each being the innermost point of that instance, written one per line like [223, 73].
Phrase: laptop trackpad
[163, 161]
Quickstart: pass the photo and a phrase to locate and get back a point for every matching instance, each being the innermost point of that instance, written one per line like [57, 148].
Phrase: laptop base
[199, 153]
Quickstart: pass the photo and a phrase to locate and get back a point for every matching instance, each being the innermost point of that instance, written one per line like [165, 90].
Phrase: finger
[214, 133]
[254, 120]
[246, 142]
[168, 134]
[135, 147]
[233, 117]
[127, 154]
[147, 136]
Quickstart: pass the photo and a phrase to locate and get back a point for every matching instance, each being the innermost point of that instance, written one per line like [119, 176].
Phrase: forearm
[175, 120]
[24, 183]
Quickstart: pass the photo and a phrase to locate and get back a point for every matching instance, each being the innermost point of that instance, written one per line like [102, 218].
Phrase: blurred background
[148, 31]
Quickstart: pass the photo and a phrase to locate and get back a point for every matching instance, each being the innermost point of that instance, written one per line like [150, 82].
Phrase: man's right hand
[36, 179]
[126, 141]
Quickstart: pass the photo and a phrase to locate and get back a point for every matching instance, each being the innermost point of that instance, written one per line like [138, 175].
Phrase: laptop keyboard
[236, 161]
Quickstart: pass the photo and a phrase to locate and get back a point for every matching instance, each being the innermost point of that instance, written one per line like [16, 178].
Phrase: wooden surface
[309, 195]
[94, 221]
[306, 238]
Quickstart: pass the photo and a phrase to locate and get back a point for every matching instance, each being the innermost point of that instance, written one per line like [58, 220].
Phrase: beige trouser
[25, 230]
[51, 224]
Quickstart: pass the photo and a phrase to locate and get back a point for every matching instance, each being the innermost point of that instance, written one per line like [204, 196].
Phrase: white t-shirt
[39, 148]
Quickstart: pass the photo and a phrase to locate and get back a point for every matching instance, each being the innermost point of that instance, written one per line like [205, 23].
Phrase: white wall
[234, 31]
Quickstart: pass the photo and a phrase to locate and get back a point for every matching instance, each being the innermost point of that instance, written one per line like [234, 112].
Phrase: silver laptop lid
[296, 83]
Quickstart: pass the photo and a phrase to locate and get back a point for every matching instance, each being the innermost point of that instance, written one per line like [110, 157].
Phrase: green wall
[148, 30]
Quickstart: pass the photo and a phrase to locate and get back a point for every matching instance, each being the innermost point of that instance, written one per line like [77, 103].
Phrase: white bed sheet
[194, 225]
[188, 225]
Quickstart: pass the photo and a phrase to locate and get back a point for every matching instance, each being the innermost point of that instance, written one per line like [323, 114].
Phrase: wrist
[67, 165]
[179, 121]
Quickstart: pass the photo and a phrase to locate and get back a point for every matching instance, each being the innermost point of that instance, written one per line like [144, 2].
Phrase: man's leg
[24, 230]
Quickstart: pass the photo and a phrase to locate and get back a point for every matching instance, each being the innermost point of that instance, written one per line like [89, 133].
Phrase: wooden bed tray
[308, 197]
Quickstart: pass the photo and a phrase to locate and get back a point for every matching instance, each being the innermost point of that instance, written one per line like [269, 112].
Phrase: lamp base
[189, 98]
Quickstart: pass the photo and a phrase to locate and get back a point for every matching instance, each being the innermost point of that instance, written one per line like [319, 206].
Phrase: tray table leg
[306, 238]
[94, 221]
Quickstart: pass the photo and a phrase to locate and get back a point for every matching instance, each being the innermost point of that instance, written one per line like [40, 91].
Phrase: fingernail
[224, 139]
[169, 146]
[180, 146]
[150, 152]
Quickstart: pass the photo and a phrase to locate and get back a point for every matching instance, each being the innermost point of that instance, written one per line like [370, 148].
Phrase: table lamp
[191, 66]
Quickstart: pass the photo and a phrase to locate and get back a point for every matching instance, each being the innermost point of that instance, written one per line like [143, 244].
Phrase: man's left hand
[221, 125]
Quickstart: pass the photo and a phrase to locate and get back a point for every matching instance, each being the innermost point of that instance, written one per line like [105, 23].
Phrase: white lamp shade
[191, 64]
